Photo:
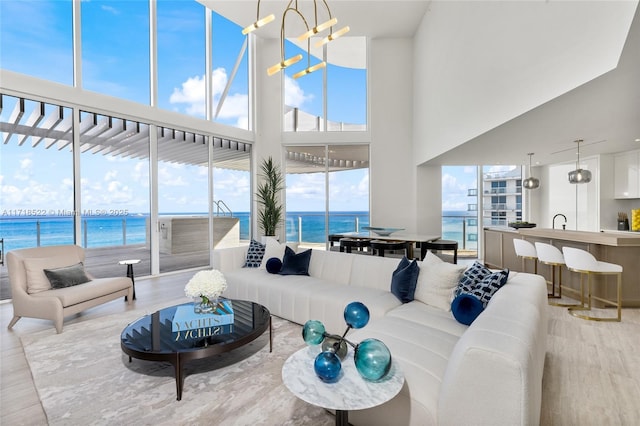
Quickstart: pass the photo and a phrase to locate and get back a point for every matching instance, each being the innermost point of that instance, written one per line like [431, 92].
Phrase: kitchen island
[622, 248]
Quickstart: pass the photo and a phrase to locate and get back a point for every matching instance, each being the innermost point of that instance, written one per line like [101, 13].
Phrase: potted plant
[270, 211]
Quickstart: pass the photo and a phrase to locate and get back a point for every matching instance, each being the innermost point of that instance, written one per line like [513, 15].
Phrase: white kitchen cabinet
[627, 174]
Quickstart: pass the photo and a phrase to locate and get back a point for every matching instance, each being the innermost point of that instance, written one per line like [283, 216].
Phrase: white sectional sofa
[488, 373]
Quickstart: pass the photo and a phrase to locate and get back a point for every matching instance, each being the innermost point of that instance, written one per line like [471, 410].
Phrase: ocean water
[103, 231]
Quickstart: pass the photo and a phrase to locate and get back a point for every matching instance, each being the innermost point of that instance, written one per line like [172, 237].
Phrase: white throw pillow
[437, 281]
[275, 249]
[37, 281]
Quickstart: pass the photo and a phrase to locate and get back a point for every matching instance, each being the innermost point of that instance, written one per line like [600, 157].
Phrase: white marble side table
[350, 392]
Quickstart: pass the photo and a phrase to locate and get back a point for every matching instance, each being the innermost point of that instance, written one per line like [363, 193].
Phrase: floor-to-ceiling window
[114, 188]
[327, 191]
[460, 207]
[36, 176]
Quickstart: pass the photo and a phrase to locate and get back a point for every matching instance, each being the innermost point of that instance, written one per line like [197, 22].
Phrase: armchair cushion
[67, 276]
[37, 281]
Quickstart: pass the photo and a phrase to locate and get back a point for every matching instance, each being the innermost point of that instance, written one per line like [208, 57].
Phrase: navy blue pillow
[404, 280]
[481, 282]
[466, 308]
[295, 264]
[274, 265]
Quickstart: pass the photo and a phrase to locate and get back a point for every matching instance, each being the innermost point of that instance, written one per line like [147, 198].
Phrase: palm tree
[270, 213]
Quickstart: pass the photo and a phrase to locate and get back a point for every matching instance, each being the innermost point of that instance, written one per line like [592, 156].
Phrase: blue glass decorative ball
[356, 314]
[313, 332]
[327, 367]
[373, 359]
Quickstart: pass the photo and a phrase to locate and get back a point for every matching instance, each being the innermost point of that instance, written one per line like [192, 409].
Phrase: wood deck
[103, 262]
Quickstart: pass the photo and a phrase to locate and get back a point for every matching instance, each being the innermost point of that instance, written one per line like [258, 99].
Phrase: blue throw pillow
[274, 265]
[466, 308]
[295, 264]
[472, 276]
[255, 253]
[404, 280]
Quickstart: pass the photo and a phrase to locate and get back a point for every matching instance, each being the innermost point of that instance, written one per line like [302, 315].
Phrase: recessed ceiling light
[637, 139]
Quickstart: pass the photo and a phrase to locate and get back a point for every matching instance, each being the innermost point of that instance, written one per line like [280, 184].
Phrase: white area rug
[83, 378]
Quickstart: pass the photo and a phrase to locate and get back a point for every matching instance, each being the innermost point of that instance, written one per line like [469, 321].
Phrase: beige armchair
[33, 297]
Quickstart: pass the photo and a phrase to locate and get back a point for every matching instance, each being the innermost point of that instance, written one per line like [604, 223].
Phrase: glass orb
[356, 314]
[327, 367]
[373, 359]
[313, 332]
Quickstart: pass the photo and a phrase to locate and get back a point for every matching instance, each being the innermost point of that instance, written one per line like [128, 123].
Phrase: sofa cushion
[255, 253]
[404, 280]
[93, 289]
[295, 264]
[67, 276]
[437, 281]
[36, 279]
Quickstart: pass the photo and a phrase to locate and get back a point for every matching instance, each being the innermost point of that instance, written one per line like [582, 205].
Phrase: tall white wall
[480, 64]
[392, 172]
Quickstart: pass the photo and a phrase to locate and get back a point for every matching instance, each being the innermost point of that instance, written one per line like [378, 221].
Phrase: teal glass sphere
[313, 332]
[327, 366]
[372, 359]
[356, 315]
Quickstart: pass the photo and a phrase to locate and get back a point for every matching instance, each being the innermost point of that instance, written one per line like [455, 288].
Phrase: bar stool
[439, 245]
[551, 255]
[380, 246]
[526, 251]
[585, 263]
[348, 244]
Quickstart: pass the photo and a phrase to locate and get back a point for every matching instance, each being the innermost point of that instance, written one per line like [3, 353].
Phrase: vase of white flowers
[205, 287]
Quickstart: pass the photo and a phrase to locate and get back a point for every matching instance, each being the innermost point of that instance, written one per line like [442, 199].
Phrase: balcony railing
[463, 229]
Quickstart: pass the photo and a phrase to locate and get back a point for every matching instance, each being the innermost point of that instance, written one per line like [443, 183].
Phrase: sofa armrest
[229, 259]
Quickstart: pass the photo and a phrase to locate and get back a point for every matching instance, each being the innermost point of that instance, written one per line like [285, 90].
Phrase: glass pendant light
[530, 182]
[579, 175]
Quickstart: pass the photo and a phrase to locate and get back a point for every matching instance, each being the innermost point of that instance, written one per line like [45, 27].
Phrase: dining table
[406, 237]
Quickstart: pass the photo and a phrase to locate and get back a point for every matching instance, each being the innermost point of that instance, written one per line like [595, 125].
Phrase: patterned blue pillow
[481, 282]
[255, 253]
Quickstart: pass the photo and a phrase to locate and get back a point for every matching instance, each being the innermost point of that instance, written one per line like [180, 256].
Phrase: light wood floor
[592, 370]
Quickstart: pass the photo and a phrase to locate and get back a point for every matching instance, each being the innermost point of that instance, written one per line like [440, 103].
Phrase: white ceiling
[604, 112]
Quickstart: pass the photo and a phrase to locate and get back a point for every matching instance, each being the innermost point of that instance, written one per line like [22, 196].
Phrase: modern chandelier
[530, 182]
[292, 6]
[579, 175]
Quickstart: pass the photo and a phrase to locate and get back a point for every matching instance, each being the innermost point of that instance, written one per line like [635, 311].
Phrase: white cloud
[110, 175]
[294, 96]
[110, 9]
[25, 171]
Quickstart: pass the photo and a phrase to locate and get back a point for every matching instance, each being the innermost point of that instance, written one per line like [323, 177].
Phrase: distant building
[502, 197]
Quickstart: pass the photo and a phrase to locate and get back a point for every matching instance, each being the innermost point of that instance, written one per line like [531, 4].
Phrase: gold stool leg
[618, 304]
[559, 296]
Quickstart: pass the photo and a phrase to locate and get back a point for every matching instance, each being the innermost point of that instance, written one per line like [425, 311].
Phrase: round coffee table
[152, 337]
[350, 392]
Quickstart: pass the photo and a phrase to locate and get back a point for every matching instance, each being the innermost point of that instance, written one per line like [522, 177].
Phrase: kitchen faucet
[564, 225]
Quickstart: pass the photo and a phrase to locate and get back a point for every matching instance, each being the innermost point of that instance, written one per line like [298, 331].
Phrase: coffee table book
[186, 319]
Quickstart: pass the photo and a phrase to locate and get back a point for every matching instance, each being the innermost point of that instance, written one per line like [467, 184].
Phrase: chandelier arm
[326, 5]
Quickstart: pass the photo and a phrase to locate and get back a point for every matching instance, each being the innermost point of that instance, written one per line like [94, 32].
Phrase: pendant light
[530, 182]
[579, 175]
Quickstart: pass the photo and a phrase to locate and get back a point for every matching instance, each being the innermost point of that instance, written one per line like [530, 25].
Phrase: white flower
[209, 284]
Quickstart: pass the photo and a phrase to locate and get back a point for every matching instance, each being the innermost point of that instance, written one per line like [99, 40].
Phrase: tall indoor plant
[270, 211]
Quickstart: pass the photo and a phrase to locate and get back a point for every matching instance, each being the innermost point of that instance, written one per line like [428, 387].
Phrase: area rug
[83, 378]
